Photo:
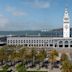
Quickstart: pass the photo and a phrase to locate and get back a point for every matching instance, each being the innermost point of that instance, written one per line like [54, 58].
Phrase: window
[32, 41]
[66, 22]
[47, 44]
[16, 41]
[60, 45]
[70, 45]
[55, 45]
[29, 41]
[32, 45]
[11, 41]
[51, 44]
[19, 41]
[47, 40]
[66, 43]
[8, 41]
[37, 44]
[29, 45]
[37, 41]
[42, 41]
[25, 44]
[24, 41]
[42, 44]
[60, 42]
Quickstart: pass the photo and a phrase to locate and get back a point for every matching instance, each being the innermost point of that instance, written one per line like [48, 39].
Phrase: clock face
[66, 26]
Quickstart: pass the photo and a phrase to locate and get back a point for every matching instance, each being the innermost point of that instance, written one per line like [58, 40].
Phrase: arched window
[60, 43]
[55, 44]
[70, 43]
[66, 43]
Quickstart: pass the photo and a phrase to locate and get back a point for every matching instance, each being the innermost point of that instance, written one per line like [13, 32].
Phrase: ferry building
[39, 41]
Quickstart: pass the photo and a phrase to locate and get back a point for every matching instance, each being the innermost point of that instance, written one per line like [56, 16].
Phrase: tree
[4, 68]
[23, 53]
[41, 56]
[33, 55]
[15, 56]
[3, 55]
[64, 57]
[52, 57]
[21, 68]
[66, 64]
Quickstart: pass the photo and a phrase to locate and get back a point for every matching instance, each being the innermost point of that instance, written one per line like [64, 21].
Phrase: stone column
[57, 44]
[69, 44]
[63, 45]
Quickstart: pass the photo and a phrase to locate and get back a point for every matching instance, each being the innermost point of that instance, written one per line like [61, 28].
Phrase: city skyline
[33, 14]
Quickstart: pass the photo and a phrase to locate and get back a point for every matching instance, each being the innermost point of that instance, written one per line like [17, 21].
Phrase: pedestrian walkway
[43, 69]
[54, 70]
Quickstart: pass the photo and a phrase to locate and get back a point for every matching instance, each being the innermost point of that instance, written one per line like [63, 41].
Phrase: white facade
[41, 42]
[66, 25]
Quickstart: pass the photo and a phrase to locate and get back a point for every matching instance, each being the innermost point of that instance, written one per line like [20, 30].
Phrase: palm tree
[52, 57]
[23, 53]
[41, 56]
[66, 64]
[15, 56]
[33, 55]
[3, 55]
[64, 57]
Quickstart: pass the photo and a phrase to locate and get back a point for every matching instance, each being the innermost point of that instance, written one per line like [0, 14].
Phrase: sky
[33, 14]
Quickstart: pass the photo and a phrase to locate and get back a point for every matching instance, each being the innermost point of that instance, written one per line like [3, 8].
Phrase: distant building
[39, 41]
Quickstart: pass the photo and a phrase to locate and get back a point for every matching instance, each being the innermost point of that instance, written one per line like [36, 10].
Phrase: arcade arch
[66, 44]
[70, 43]
[60, 43]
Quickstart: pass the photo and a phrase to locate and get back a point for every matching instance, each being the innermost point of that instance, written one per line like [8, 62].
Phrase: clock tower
[66, 24]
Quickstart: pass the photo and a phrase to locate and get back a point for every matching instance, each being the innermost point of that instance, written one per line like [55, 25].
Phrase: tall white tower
[66, 24]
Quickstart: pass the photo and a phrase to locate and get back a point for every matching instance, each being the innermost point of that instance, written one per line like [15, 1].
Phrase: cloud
[3, 21]
[41, 5]
[38, 3]
[9, 8]
[15, 12]
[19, 13]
